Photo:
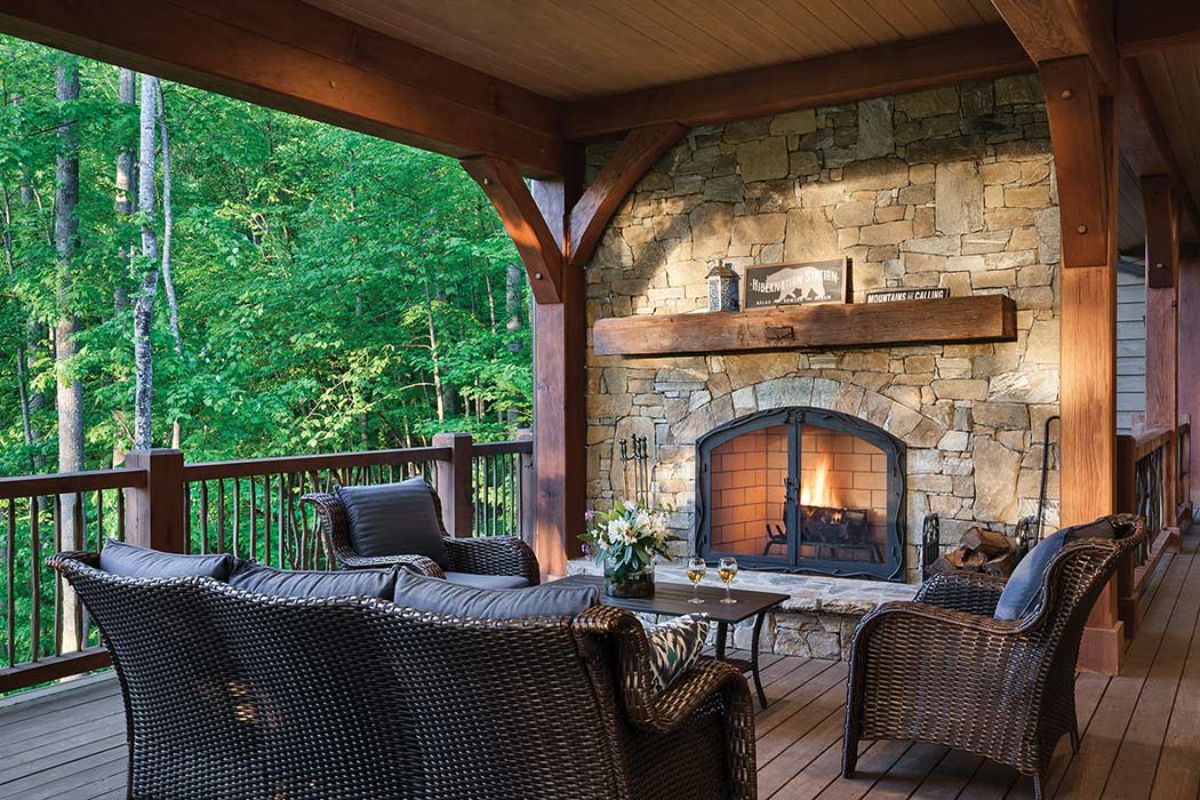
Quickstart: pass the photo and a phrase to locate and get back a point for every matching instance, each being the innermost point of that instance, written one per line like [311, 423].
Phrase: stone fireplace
[951, 188]
[803, 489]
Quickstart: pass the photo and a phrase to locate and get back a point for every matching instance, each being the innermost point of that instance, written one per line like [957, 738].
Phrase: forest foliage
[335, 291]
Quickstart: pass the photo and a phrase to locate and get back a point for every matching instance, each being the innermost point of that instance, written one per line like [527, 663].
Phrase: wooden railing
[250, 508]
[1152, 479]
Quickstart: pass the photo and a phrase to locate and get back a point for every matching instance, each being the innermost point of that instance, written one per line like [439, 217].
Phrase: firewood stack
[979, 550]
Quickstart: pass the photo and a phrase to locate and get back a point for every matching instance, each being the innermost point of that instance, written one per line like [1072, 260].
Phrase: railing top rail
[70, 482]
[501, 448]
[212, 470]
[1148, 441]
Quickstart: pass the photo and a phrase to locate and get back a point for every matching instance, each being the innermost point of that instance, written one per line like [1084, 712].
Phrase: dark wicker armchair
[941, 670]
[231, 695]
[496, 555]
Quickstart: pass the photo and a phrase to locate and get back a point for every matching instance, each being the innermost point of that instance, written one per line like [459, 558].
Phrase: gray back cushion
[377, 583]
[131, 561]
[395, 519]
[442, 597]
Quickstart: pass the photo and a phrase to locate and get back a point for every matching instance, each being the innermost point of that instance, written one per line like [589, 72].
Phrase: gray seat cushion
[487, 581]
[251, 577]
[131, 561]
[442, 597]
[394, 519]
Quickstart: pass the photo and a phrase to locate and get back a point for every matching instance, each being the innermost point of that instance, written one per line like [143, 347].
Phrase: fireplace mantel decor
[803, 490]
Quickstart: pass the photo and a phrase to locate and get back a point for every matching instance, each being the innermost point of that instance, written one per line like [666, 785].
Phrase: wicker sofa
[230, 694]
[498, 555]
[941, 670]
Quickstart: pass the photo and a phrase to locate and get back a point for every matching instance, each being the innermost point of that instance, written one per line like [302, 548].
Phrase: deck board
[1141, 729]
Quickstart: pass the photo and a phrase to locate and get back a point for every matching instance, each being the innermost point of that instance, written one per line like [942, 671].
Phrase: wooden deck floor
[1141, 729]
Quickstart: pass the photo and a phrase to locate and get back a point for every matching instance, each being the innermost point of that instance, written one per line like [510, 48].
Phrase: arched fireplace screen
[803, 490]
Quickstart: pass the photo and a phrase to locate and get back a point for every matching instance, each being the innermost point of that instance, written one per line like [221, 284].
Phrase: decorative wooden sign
[892, 295]
[799, 284]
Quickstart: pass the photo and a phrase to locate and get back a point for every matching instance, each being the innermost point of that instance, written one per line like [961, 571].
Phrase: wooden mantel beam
[289, 55]
[977, 54]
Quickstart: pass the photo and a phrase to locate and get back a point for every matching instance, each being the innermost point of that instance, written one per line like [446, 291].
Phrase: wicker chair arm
[421, 565]
[495, 555]
[972, 592]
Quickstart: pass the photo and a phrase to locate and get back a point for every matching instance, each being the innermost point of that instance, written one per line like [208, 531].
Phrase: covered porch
[1008, 190]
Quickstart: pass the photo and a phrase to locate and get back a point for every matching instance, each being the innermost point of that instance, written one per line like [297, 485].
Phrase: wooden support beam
[1162, 233]
[1083, 129]
[1146, 26]
[1145, 146]
[1189, 347]
[1074, 107]
[977, 54]
[560, 397]
[635, 155]
[1162, 325]
[539, 247]
[286, 54]
[1054, 29]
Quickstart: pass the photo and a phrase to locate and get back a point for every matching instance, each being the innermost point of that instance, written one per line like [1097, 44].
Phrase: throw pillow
[674, 647]
[378, 583]
[1025, 584]
[131, 561]
[395, 519]
[442, 597]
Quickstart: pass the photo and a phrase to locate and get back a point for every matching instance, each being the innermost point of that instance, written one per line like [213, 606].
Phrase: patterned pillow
[674, 646]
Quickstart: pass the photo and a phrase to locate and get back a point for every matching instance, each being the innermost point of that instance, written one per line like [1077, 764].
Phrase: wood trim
[70, 482]
[1146, 26]
[215, 470]
[53, 668]
[635, 155]
[981, 318]
[1073, 105]
[288, 55]
[1054, 29]
[976, 54]
[540, 249]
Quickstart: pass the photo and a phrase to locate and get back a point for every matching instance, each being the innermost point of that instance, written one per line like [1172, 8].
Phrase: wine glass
[727, 569]
[695, 573]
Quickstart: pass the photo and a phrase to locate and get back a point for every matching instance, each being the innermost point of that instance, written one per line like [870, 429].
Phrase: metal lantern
[722, 288]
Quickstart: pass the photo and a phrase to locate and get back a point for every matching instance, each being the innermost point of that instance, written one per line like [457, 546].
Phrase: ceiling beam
[1146, 26]
[980, 53]
[291, 56]
[1053, 29]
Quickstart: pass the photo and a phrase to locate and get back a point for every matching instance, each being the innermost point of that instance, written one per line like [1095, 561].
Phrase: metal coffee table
[671, 599]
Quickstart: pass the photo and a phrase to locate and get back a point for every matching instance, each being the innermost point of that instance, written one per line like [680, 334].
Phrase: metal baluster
[120, 515]
[10, 555]
[35, 581]
[58, 594]
[221, 517]
[203, 516]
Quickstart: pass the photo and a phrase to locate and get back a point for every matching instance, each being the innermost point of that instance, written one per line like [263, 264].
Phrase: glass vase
[631, 579]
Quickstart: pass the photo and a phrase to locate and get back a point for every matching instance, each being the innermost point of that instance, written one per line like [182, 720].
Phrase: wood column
[560, 397]
[1162, 326]
[1189, 352]
[454, 482]
[1083, 129]
[154, 513]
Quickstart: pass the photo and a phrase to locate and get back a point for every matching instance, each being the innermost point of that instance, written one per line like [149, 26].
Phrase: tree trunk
[439, 390]
[123, 202]
[514, 286]
[69, 391]
[167, 236]
[143, 312]
[20, 355]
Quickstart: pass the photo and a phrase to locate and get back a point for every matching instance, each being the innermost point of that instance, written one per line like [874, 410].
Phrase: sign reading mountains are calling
[796, 284]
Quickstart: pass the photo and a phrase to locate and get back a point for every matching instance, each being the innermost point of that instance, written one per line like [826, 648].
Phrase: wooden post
[528, 498]
[1189, 350]
[1126, 504]
[154, 513]
[560, 398]
[1083, 128]
[1162, 329]
[454, 482]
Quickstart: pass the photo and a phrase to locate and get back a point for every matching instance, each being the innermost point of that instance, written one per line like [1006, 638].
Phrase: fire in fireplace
[803, 490]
